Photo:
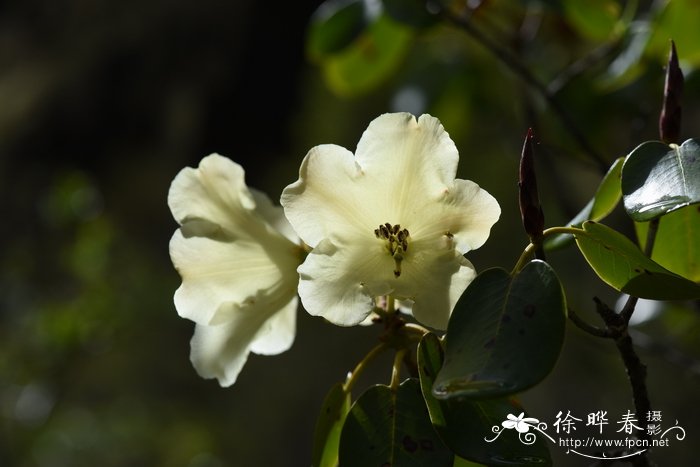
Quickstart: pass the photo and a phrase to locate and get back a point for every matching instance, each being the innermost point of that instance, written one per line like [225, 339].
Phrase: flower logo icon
[521, 423]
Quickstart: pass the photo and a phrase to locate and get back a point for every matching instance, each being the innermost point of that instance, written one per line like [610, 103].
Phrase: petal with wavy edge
[466, 211]
[330, 198]
[433, 281]
[408, 160]
[215, 192]
[221, 278]
[340, 283]
[221, 351]
[277, 333]
[331, 283]
[274, 215]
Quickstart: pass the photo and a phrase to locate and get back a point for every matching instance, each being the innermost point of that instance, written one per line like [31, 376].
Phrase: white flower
[391, 220]
[237, 256]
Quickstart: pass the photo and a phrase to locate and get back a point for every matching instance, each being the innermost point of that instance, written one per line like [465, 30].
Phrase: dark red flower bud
[530, 209]
[670, 120]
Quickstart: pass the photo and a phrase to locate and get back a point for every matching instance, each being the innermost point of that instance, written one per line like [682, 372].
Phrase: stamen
[396, 243]
[384, 230]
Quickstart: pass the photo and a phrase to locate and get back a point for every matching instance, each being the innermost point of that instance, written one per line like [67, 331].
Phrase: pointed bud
[530, 209]
[670, 120]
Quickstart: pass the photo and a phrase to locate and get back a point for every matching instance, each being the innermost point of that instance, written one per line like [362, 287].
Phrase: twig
[589, 328]
[517, 67]
[580, 66]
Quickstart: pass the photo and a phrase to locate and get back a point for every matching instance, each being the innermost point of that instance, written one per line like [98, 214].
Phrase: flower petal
[220, 351]
[221, 278]
[276, 334]
[274, 215]
[330, 198]
[331, 283]
[434, 281]
[215, 192]
[411, 160]
[466, 211]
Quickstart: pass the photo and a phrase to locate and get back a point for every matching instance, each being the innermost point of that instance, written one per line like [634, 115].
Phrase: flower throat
[396, 242]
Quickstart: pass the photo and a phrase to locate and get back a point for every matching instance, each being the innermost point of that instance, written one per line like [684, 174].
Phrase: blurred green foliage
[103, 103]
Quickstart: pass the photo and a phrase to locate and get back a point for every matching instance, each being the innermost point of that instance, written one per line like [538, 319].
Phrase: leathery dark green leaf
[335, 25]
[467, 426]
[504, 335]
[623, 266]
[386, 427]
[658, 178]
[677, 245]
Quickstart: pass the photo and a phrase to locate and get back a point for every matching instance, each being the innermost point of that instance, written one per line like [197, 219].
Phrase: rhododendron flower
[237, 256]
[391, 220]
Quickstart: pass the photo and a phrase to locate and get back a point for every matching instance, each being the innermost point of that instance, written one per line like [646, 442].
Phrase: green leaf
[370, 60]
[658, 179]
[410, 12]
[328, 427]
[677, 245]
[598, 208]
[678, 20]
[648, 37]
[334, 26]
[595, 19]
[459, 462]
[623, 266]
[465, 424]
[609, 192]
[391, 428]
[505, 333]
[627, 66]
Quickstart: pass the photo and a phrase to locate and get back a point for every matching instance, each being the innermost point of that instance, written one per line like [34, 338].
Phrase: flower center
[396, 243]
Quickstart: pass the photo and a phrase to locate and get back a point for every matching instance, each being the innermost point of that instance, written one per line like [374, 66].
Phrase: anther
[396, 242]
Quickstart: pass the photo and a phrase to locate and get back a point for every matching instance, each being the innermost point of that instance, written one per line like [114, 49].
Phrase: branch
[616, 325]
[589, 328]
[519, 69]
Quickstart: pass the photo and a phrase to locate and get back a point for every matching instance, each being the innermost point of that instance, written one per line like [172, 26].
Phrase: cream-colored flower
[391, 220]
[237, 256]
